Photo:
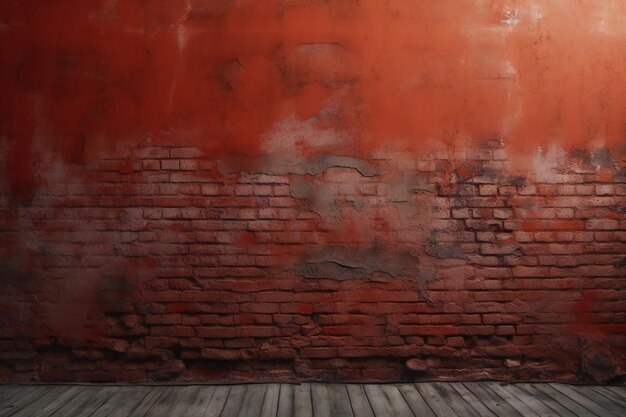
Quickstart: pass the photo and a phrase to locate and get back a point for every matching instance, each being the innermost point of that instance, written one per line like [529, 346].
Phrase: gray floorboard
[454, 400]
[589, 403]
[359, 402]
[511, 399]
[252, 401]
[378, 400]
[608, 394]
[439, 406]
[270, 402]
[234, 402]
[340, 401]
[285, 401]
[437, 399]
[215, 407]
[492, 400]
[122, 404]
[303, 400]
[415, 400]
[22, 398]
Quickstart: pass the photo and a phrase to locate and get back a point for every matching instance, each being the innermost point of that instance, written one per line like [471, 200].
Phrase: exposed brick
[605, 189]
[469, 268]
[602, 224]
[319, 352]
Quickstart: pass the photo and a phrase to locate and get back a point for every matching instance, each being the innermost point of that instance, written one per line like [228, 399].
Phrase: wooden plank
[87, 401]
[454, 400]
[196, 400]
[398, 404]
[378, 400]
[470, 398]
[192, 399]
[29, 408]
[234, 401]
[564, 400]
[252, 401]
[610, 395]
[183, 396]
[533, 400]
[302, 400]
[320, 400]
[621, 390]
[339, 400]
[491, 400]
[165, 402]
[434, 400]
[7, 391]
[63, 398]
[604, 400]
[49, 398]
[122, 403]
[359, 402]
[50, 394]
[270, 402]
[98, 398]
[414, 399]
[590, 404]
[24, 395]
[216, 405]
[511, 399]
[285, 401]
[153, 394]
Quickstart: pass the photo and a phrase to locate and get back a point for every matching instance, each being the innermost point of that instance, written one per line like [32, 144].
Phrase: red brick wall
[160, 263]
[306, 189]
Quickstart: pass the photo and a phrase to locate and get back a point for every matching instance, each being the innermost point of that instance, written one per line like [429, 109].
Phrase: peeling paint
[342, 263]
[276, 165]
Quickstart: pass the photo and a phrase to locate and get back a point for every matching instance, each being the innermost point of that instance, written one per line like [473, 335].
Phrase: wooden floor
[471, 399]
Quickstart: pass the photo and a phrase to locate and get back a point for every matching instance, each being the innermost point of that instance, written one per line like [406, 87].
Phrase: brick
[455, 341]
[605, 189]
[318, 352]
[502, 213]
[151, 165]
[185, 153]
[446, 330]
[505, 330]
[584, 189]
[257, 331]
[462, 213]
[188, 165]
[507, 190]
[172, 331]
[170, 165]
[217, 332]
[220, 354]
[528, 190]
[492, 249]
[602, 224]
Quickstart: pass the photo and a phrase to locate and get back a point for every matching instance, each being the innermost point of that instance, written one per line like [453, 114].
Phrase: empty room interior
[312, 208]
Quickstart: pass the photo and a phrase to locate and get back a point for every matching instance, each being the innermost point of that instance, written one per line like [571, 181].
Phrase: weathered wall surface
[297, 189]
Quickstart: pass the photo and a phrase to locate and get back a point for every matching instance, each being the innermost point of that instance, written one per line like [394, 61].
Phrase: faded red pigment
[311, 189]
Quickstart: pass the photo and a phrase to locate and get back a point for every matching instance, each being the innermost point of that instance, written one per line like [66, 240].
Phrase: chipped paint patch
[343, 263]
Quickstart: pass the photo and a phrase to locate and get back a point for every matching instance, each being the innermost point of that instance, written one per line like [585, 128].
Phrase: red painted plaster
[222, 74]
